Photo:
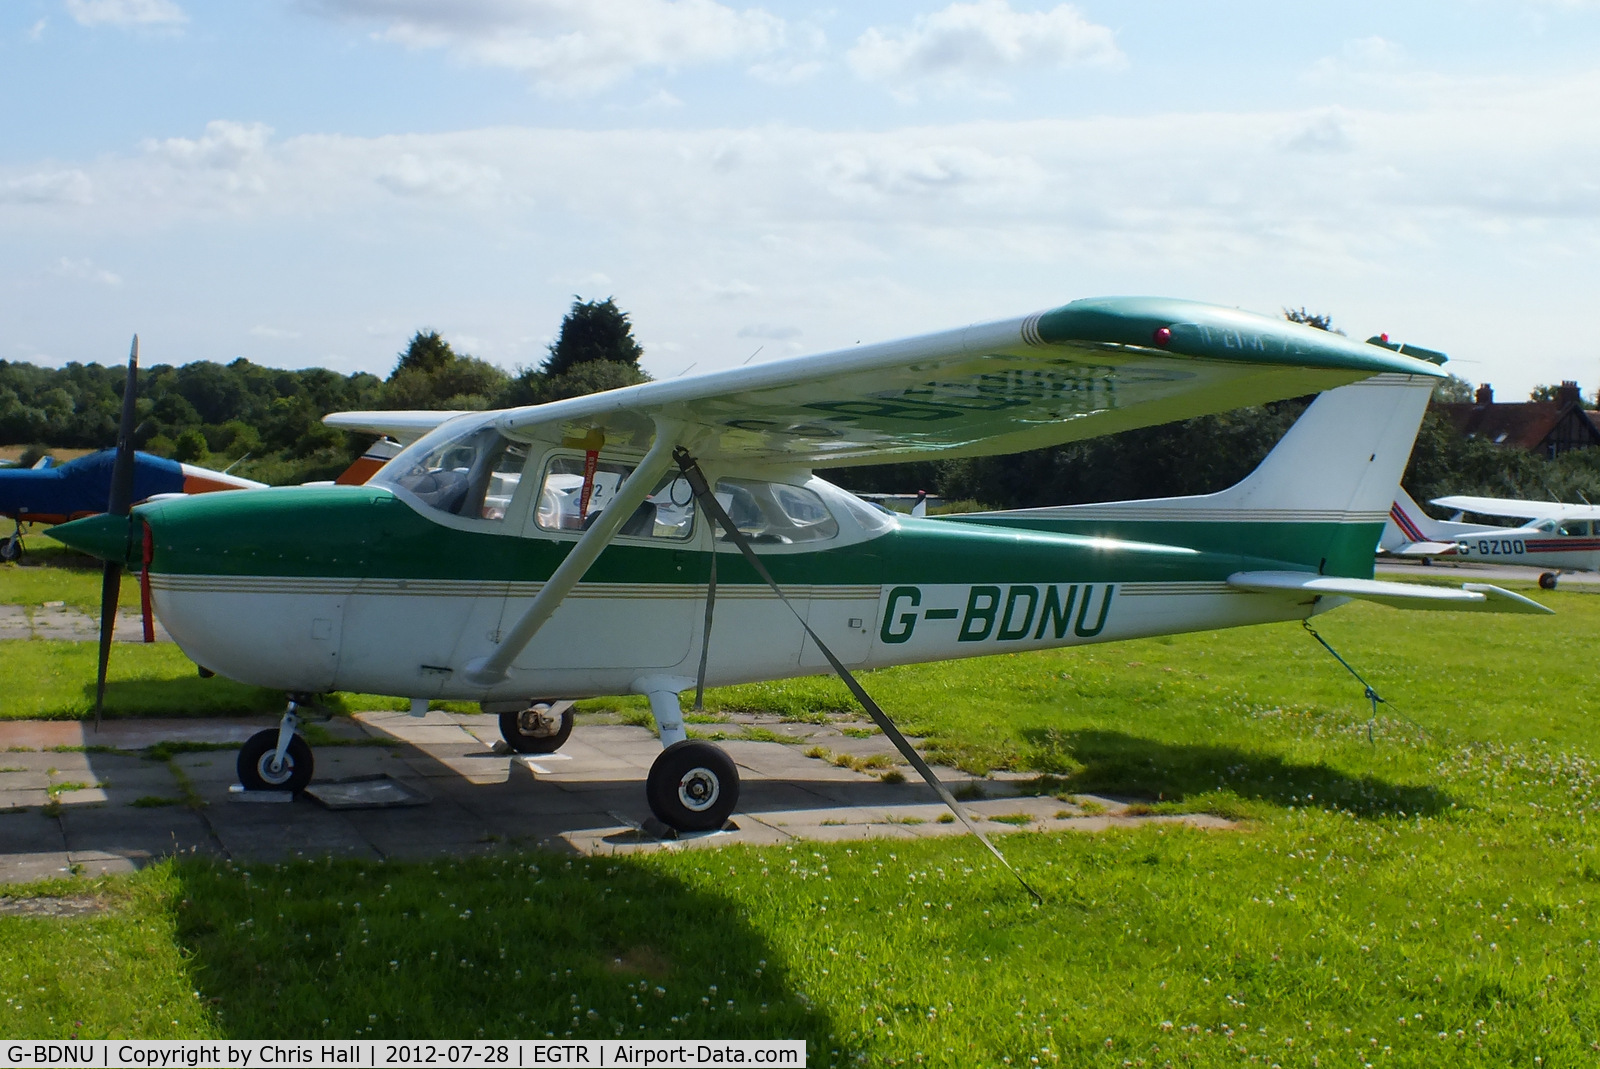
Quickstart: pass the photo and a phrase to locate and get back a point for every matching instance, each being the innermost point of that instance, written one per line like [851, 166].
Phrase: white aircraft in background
[1555, 536]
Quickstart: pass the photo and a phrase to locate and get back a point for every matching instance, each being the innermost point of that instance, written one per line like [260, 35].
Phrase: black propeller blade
[121, 504]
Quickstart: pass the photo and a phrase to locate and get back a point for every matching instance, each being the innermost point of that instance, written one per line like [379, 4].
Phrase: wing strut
[490, 670]
[702, 490]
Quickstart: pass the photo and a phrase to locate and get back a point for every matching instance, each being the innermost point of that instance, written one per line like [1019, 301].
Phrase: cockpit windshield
[472, 475]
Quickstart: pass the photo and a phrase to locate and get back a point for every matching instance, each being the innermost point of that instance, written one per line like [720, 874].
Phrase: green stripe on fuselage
[364, 532]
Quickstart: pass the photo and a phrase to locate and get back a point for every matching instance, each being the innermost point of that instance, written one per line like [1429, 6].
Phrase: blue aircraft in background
[56, 493]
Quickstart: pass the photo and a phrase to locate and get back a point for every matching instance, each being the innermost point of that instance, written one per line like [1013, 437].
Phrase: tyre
[1547, 581]
[11, 550]
[693, 786]
[535, 730]
[255, 763]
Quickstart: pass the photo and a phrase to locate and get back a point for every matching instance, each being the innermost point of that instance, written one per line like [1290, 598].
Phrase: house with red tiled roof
[1546, 427]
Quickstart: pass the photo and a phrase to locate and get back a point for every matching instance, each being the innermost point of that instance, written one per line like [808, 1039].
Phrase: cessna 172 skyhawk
[576, 548]
[1563, 538]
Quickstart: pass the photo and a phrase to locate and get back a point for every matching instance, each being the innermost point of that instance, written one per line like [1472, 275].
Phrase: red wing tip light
[1162, 337]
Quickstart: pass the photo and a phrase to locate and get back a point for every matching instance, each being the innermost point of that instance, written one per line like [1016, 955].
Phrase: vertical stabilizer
[1319, 500]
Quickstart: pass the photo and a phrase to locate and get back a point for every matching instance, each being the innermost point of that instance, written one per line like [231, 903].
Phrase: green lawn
[1423, 898]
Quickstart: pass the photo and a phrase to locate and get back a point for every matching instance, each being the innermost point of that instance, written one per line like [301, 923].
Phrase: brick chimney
[1567, 394]
[1485, 394]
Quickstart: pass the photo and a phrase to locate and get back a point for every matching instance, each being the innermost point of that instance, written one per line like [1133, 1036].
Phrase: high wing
[1514, 509]
[1085, 369]
[1480, 596]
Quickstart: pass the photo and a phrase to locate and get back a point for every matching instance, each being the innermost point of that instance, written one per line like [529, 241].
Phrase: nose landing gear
[535, 727]
[278, 759]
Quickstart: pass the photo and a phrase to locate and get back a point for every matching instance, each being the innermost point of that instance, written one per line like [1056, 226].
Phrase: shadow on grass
[512, 946]
[1111, 762]
[179, 696]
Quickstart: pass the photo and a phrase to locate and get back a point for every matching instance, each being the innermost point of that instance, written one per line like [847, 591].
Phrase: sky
[309, 182]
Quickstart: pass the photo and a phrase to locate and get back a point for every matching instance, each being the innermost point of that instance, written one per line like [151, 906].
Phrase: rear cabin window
[1575, 527]
[473, 476]
[668, 512]
[775, 513]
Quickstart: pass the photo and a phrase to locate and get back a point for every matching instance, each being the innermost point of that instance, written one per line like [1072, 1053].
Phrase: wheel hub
[699, 789]
[274, 770]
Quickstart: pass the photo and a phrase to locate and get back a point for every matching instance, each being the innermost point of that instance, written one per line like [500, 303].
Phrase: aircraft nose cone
[104, 536]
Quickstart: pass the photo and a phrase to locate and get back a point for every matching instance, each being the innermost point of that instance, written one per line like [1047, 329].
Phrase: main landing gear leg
[11, 548]
[277, 759]
[693, 785]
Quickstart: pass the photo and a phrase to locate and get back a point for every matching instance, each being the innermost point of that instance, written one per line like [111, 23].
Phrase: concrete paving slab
[63, 623]
[28, 831]
[14, 622]
[588, 798]
[38, 865]
[24, 779]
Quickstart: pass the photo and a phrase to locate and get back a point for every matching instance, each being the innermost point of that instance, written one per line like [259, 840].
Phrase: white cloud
[228, 146]
[1359, 56]
[768, 332]
[413, 176]
[731, 290]
[84, 270]
[1323, 133]
[47, 187]
[977, 45]
[1476, 194]
[896, 170]
[126, 13]
[572, 46]
[36, 31]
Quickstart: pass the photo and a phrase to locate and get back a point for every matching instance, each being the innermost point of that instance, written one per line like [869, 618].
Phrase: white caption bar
[394, 1054]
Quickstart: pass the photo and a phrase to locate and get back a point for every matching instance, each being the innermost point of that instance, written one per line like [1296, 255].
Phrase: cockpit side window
[775, 512]
[1575, 527]
[668, 512]
[473, 476]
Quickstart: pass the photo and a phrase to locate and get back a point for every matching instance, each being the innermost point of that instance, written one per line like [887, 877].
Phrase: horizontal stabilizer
[1470, 597]
[1425, 549]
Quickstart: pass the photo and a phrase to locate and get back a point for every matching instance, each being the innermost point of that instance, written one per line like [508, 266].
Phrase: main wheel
[693, 786]
[534, 730]
[255, 763]
[1547, 581]
[11, 550]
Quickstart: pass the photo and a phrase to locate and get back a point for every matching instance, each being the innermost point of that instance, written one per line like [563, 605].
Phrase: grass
[1426, 897]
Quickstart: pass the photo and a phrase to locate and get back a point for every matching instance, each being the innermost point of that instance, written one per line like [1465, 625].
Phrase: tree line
[267, 422]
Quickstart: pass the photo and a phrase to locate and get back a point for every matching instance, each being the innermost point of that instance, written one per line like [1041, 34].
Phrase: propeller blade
[120, 504]
[110, 588]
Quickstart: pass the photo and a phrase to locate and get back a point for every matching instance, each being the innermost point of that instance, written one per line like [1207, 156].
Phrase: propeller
[121, 504]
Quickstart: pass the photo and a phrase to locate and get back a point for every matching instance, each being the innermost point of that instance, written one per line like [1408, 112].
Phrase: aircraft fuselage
[354, 588]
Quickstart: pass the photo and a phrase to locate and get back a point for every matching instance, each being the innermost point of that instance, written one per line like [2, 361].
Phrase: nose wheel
[1547, 581]
[693, 786]
[260, 769]
[543, 727]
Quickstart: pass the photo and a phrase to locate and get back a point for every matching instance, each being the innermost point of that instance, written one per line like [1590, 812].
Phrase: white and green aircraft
[579, 548]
